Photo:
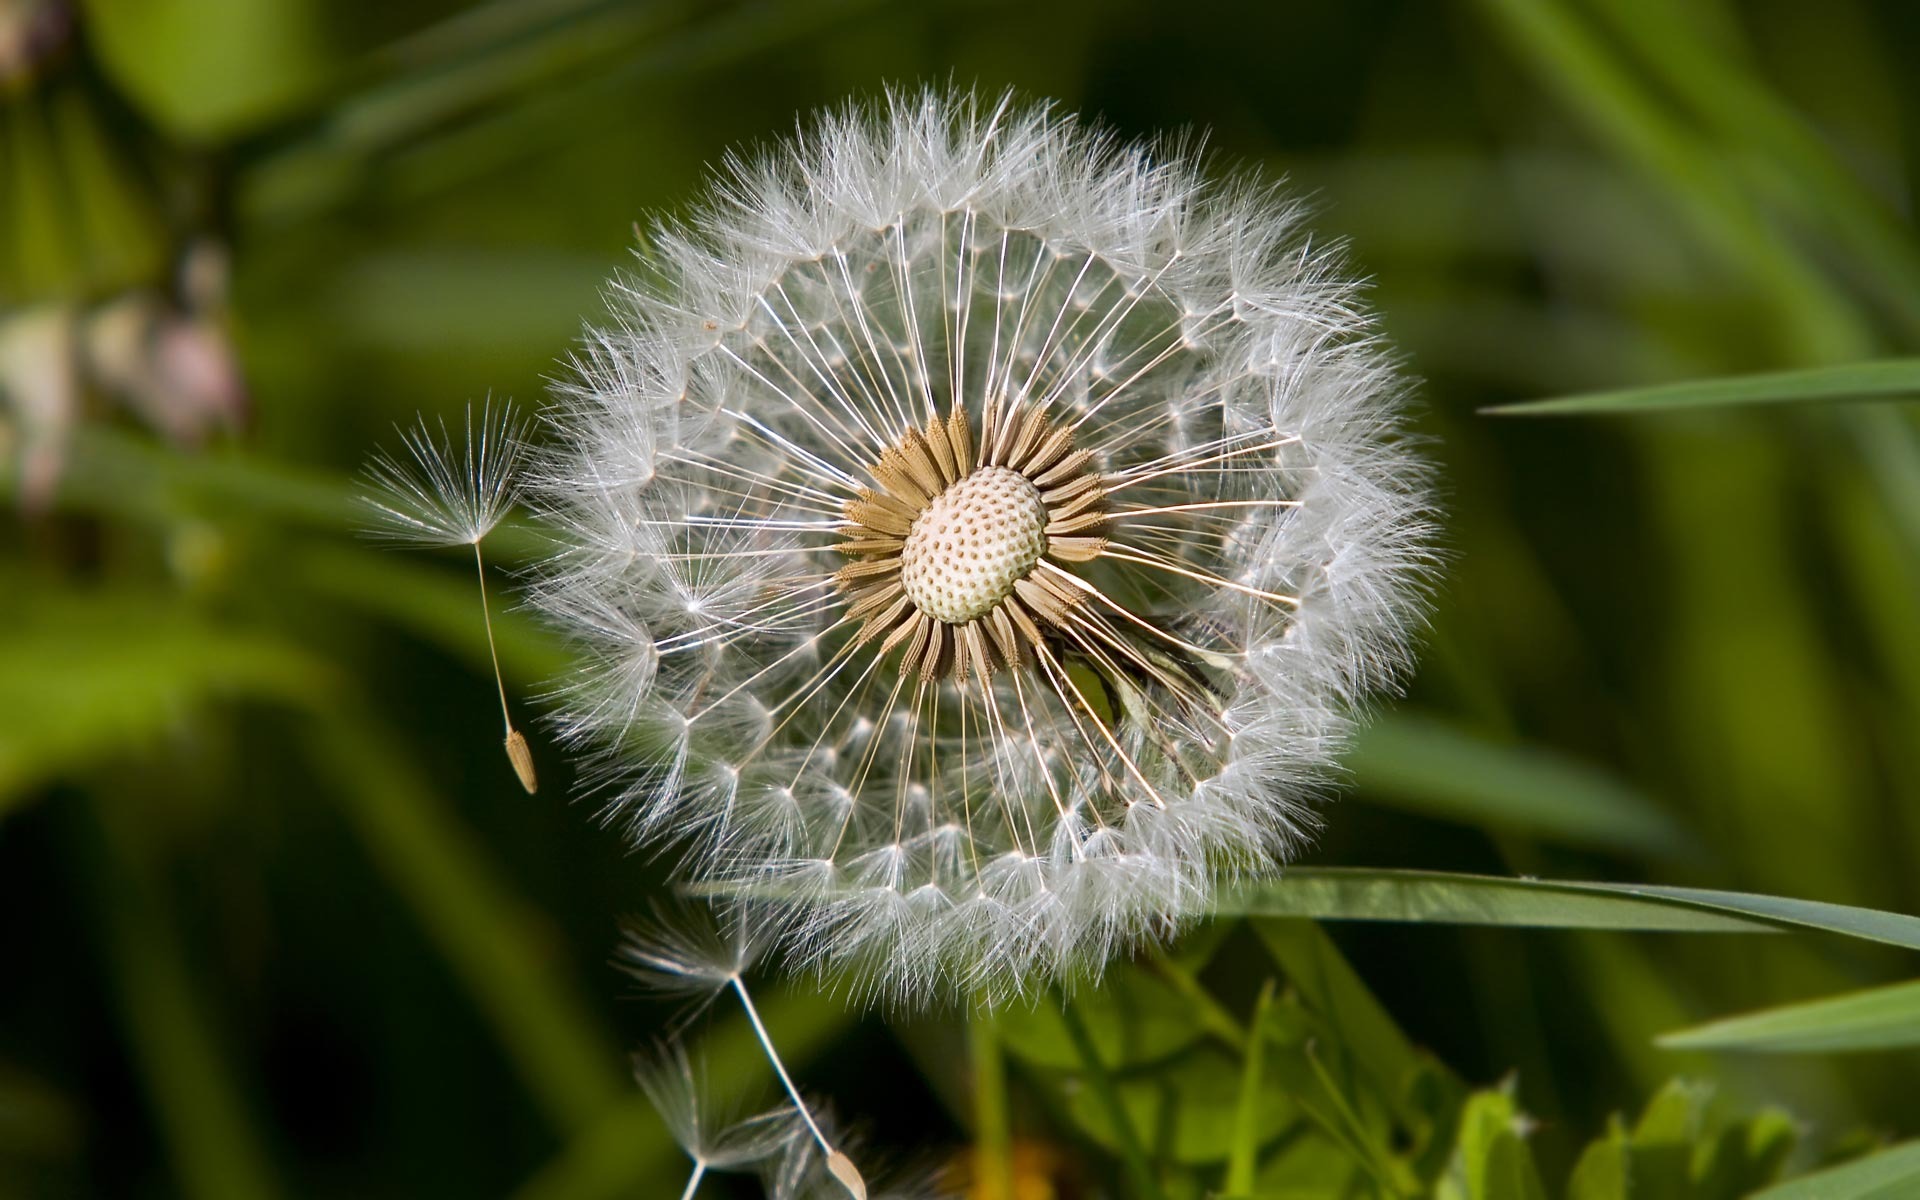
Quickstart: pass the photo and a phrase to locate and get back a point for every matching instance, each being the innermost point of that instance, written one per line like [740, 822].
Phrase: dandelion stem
[693, 1180]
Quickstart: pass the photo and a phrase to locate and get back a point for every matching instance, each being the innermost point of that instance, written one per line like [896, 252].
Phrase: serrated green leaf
[1510, 1172]
[1812, 385]
[1881, 1018]
[1747, 1156]
[1601, 1173]
[1429, 766]
[1491, 1160]
[1664, 1142]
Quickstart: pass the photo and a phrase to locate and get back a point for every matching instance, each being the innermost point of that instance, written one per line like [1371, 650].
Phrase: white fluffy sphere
[980, 530]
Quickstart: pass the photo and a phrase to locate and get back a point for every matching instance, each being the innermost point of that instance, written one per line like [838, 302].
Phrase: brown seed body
[950, 547]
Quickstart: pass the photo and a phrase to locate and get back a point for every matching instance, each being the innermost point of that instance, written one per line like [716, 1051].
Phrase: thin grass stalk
[205, 1122]
[480, 928]
[1132, 1155]
[992, 1122]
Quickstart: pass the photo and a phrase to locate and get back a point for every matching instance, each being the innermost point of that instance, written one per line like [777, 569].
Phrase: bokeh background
[275, 919]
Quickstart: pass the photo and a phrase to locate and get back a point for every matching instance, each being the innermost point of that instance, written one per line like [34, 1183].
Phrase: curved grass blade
[1880, 1018]
[1888, 1175]
[1357, 894]
[1878, 379]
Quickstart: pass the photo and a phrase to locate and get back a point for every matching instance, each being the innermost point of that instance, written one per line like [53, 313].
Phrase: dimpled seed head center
[972, 543]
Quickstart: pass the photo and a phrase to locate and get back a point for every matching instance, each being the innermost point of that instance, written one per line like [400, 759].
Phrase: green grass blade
[209, 1126]
[437, 605]
[134, 478]
[1245, 1155]
[1877, 379]
[1799, 168]
[1881, 1018]
[992, 1116]
[1359, 894]
[1332, 989]
[1891, 1174]
[1428, 766]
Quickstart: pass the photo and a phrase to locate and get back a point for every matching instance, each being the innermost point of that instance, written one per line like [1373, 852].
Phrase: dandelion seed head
[983, 530]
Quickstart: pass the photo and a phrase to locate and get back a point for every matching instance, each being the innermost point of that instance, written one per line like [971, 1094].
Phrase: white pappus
[979, 531]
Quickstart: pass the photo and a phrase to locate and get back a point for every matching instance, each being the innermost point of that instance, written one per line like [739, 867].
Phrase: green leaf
[1432, 767]
[1133, 1017]
[1661, 1146]
[83, 676]
[210, 68]
[1316, 968]
[177, 1034]
[1748, 1156]
[1880, 1018]
[491, 940]
[1879, 379]
[1602, 1170]
[1360, 894]
[137, 479]
[434, 604]
[1491, 1159]
[1184, 1110]
[1891, 1174]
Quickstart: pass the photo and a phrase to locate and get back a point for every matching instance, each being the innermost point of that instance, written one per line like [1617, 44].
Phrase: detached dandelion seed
[982, 530]
[438, 496]
[691, 958]
[676, 1085]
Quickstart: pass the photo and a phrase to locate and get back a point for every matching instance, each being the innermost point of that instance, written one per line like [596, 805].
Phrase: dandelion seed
[988, 527]
[691, 957]
[677, 1087]
[437, 497]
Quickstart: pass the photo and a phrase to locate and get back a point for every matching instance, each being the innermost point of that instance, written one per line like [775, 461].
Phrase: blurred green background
[277, 920]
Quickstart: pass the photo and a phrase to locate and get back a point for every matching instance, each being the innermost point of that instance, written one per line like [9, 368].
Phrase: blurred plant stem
[1096, 1077]
[114, 473]
[1244, 1158]
[992, 1123]
[197, 1102]
[468, 111]
[488, 938]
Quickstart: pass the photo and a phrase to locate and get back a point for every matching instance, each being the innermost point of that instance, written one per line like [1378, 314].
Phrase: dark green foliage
[1614, 908]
